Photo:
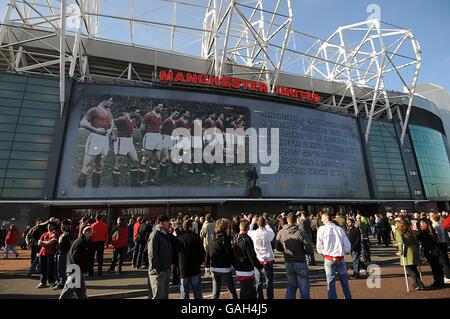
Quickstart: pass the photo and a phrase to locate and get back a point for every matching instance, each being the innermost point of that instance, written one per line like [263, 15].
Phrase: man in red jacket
[120, 244]
[48, 243]
[138, 247]
[11, 240]
[99, 241]
[446, 224]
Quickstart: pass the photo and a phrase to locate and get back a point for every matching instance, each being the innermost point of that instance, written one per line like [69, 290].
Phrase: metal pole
[406, 275]
[62, 56]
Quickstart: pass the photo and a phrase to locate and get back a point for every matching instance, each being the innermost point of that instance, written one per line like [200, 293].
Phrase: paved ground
[14, 282]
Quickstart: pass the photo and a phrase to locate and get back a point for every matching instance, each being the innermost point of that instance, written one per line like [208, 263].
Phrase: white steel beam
[62, 57]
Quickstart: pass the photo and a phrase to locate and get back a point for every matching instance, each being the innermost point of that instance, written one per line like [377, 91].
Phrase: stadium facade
[328, 158]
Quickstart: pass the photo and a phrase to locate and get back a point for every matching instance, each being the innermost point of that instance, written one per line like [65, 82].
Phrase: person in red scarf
[11, 240]
[120, 244]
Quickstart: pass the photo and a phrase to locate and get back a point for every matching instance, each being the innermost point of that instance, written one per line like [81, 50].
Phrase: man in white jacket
[262, 240]
[333, 244]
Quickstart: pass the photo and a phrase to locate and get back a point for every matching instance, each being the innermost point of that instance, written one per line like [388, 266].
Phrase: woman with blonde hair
[220, 259]
[408, 247]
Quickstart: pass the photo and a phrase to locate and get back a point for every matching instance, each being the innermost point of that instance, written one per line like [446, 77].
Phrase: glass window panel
[9, 110]
[38, 113]
[23, 173]
[24, 183]
[20, 164]
[433, 161]
[40, 105]
[6, 136]
[401, 189]
[395, 161]
[7, 119]
[37, 156]
[12, 86]
[395, 166]
[35, 147]
[4, 154]
[10, 103]
[384, 183]
[36, 121]
[21, 193]
[380, 165]
[397, 172]
[380, 171]
[10, 94]
[34, 129]
[43, 89]
[386, 189]
[12, 78]
[382, 177]
[43, 82]
[5, 145]
[41, 97]
[33, 138]
[7, 127]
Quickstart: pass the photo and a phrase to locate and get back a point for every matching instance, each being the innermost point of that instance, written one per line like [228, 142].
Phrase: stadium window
[10, 94]
[36, 121]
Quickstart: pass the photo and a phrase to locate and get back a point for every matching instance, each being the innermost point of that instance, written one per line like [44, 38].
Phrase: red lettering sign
[237, 84]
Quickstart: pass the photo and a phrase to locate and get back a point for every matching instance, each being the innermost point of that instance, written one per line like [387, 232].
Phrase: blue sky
[429, 21]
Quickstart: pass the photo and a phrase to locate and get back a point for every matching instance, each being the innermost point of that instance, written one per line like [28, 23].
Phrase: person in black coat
[354, 236]
[79, 255]
[428, 239]
[3, 233]
[144, 233]
[220, 259]
[190, 256]
[246, 262]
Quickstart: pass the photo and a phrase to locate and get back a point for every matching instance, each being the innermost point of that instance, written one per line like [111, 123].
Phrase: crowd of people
[238, 250]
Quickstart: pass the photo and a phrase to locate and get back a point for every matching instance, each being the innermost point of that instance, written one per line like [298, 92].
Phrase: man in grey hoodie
[160, 258]
[295, 246]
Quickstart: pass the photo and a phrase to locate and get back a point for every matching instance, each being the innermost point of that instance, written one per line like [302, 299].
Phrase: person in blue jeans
[190, 254]
[298, 278]
[262, 238]
[333, 244]
[267, 280]
[334, 268]
[354, 236]
[295, 246]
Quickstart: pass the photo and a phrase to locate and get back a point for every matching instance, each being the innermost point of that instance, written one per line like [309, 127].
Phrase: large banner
[121, 143]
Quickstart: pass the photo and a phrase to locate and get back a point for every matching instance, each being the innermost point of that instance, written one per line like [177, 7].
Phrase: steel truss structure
[251, 39]
[365, 56]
